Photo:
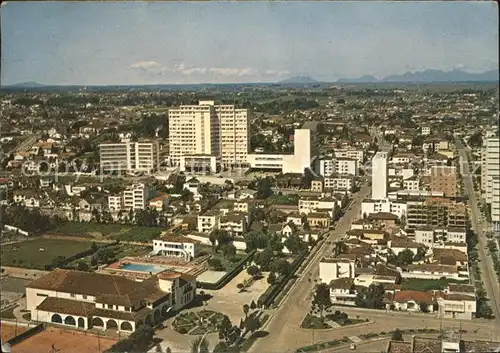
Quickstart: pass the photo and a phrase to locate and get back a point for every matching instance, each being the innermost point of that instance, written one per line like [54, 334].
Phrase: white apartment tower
[305, 149]
[379, 176]
[490, 177]
[208, 130]
[142, 156]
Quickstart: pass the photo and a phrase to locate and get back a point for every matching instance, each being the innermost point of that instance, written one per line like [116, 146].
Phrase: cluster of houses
[368, 255]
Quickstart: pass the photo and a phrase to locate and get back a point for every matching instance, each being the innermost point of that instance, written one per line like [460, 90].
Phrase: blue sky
[167, 42]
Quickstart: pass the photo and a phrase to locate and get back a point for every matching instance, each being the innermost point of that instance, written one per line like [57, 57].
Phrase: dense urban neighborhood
[251, 218]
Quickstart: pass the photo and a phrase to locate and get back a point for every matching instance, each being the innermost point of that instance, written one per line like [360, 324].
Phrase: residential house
[412, 300]
[159, 202]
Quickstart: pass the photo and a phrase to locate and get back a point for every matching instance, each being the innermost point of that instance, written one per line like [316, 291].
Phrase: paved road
[286, 321]
[488, 274]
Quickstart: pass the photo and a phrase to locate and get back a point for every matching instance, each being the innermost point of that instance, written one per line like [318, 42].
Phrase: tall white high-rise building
[208, 131]
[379, 176]
[490, 176]
[304, 150]
[142, 156]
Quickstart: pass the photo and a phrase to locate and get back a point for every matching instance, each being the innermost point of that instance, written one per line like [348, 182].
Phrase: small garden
[198, 323]
[321, 315]
[313, 321]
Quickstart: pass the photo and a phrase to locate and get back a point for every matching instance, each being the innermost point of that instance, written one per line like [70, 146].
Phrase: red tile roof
[413, 295]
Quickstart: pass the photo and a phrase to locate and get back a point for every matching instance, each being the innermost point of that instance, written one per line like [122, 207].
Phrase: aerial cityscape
[224, 177]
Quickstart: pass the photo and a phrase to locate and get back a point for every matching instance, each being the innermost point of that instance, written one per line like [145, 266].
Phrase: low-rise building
[93, 300]
[319, 219]
[176, 246]
[457, 306]
[343, 291]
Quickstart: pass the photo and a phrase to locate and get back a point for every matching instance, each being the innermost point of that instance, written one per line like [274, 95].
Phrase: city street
[284, 326]
[488, 275]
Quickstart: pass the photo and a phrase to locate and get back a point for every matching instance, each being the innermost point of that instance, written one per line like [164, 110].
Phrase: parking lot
[229, 300]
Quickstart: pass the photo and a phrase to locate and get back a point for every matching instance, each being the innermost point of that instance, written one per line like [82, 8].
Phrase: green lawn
[228, 264]
[428, 284]
[108, 231]
[27, 254]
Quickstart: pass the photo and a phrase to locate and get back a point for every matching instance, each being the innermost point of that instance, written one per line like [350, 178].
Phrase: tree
[281, 266]
[294, 244]
[371, 297]
[252, 323]
[213, 239]
[336, 212]
[271, 279]
[168, 350]
[93, 247]
[246, 309]
[253, 305]
[263, 259]
[82, 266]
[253, 271]
[402, 221]
[404, 258]
[424, 307]
[397, 335]
[222, 237]
[229, 251]
[421, 251]
[199, 345]
[215, 264]
[224, 328]
[264, 190]
[221, 347]
[322, 298]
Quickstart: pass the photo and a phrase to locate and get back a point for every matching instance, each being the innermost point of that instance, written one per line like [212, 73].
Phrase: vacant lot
[27, 254]
[107, 231]
[57, 340]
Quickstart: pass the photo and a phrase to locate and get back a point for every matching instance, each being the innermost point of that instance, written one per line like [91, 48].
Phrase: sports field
[39, 252]
[61, 341]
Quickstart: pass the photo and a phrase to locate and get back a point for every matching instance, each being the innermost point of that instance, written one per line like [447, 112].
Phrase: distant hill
[429, 76]
[362, 79]
[299, 79]
[29, 84]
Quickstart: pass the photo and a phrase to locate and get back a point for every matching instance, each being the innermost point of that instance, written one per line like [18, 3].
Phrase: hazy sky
[140, 42]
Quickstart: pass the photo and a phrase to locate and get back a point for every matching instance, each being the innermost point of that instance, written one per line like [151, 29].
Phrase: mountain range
[426, 76]
[437, 76]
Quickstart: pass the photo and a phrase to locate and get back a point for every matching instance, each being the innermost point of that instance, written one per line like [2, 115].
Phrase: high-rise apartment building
[127, 156]
[208, 131]
[435, 212]
[444, 179]
[490, 177]
[379, 176]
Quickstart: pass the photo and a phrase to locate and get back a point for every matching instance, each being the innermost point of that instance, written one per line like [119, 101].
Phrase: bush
[182, 330]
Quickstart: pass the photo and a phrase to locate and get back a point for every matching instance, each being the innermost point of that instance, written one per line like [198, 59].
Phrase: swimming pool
[142, 268]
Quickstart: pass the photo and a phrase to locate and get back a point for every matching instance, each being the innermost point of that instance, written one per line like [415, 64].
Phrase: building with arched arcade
[93, 300]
